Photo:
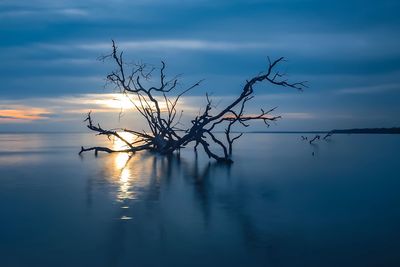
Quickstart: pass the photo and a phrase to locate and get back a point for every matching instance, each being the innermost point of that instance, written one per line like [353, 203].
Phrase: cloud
[43, 12]
[21, 113]
[72, 12]
[345, 46]
[374, 89]
[170, 44]
[298, 115]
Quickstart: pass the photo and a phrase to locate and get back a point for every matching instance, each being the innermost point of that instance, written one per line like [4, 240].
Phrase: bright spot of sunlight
[129, 172]
[124, 175]
[121, 170]
[120, 101]
[121, 160]
[118, 144]
[127, 102]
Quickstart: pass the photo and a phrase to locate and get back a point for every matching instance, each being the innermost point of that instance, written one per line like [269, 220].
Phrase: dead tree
[165, 133]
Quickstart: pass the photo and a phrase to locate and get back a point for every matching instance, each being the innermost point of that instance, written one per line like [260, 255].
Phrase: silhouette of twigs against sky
[158, 106]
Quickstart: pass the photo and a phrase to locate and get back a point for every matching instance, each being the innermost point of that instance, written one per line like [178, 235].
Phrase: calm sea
[283, 202]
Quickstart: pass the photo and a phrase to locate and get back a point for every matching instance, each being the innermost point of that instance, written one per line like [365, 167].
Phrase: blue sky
[347, 50]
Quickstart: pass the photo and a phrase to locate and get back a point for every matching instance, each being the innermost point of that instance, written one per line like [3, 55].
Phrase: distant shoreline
[393, 130]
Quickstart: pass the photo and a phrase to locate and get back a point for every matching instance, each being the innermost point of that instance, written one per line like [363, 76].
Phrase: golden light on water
[124, 180]
[129, 172]
[125, 184]
[121, 160]
[132, 176]
[122, 171]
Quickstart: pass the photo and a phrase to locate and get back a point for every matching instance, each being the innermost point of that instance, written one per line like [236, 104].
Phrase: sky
[348, 51]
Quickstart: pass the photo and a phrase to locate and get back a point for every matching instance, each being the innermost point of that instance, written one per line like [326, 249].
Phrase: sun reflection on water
[121, 160]
[132, 177]
[122, 173]
[118, 144]
[129, 172]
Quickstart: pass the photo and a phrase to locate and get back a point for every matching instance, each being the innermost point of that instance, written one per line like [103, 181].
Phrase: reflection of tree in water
[139, 178]
[234, 200]
[132, 177]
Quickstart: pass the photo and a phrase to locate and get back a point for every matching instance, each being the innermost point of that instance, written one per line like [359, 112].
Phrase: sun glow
[126, 102]
[118, 144]
[120, 101]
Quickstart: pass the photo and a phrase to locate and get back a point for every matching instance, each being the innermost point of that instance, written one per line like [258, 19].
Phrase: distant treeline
[394, 130]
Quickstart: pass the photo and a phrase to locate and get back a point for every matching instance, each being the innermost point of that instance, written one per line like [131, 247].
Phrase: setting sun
[124, 102]
[119, 101]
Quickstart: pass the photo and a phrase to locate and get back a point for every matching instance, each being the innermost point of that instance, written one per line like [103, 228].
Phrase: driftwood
[165, 133]
[317, 137]
[328, 135]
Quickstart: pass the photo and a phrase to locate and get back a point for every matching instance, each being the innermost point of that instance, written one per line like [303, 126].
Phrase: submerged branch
[163, 135]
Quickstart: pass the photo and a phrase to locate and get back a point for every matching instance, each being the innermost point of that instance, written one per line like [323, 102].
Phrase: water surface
[277, 205]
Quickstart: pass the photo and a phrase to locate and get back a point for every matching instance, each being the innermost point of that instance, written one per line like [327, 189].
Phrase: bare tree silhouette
[158, 105]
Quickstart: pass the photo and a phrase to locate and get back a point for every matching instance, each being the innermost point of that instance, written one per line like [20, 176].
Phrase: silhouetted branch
[327, 135]
[315, 138]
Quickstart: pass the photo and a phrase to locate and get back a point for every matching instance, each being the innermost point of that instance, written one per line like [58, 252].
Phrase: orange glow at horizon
[23, 114]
